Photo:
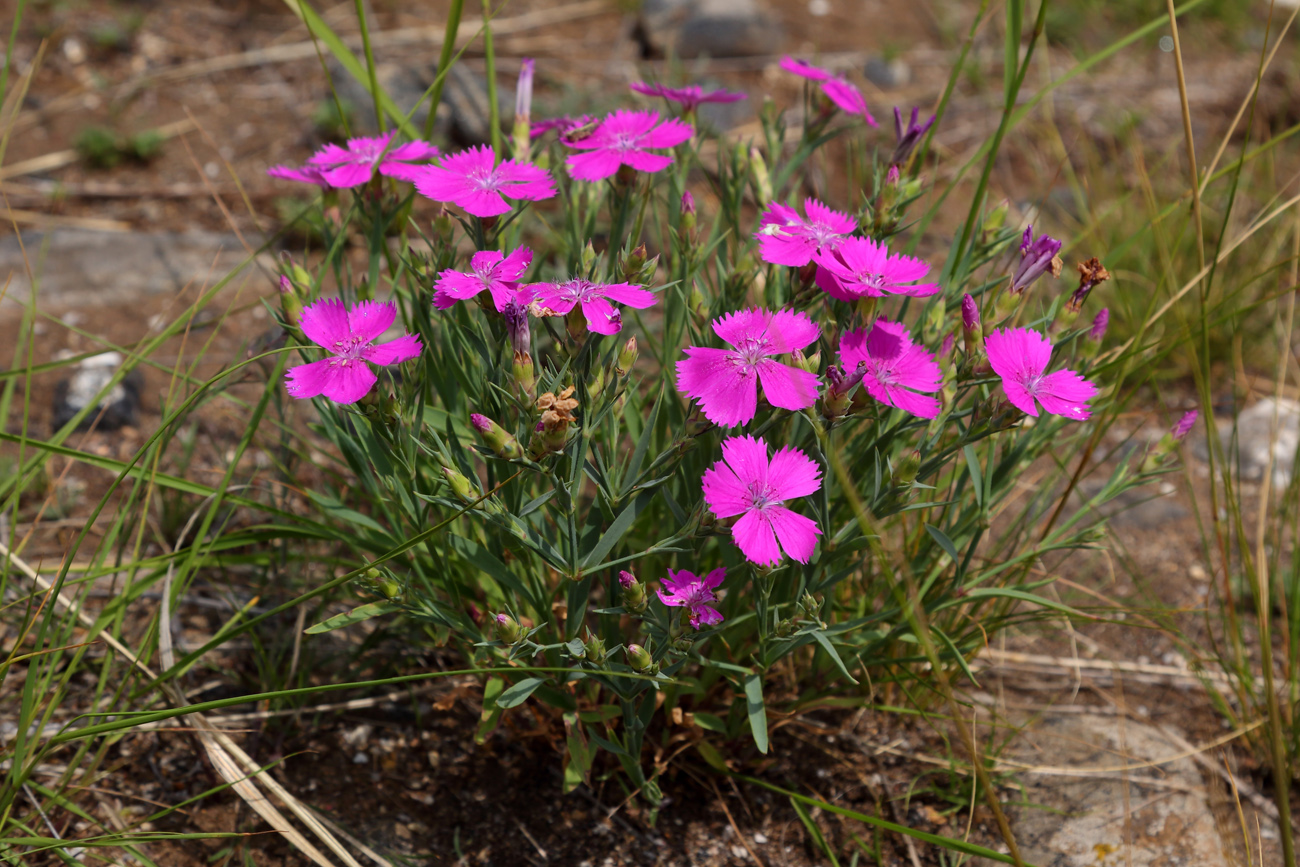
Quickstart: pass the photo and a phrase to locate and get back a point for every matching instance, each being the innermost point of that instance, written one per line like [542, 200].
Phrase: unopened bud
[524, 375]
[762, 178]
[389, 587]
[785, 628]
[509, 631]
[634, 593]
[639, 658]
[460, 486]
[502, 443]
[595, 649]
[697, 423]
[1037, 257]
[626, 357]
[1099, 324]
[809, 363]
[588, 257]
[634, 262]
[908, 467]
[683, 643]
[596, 384]
[971, 330]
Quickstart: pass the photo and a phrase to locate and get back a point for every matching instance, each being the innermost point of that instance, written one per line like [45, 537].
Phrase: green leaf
[976, 474]
[518, 694]
[711, 723]
[483, 559]
[642, 445]
[491, 715]
[814, 832]
[833, 653]
[356, 615]
[710, 754]
[617, 529]
[578, 755]
[756, 710]
[944, 542]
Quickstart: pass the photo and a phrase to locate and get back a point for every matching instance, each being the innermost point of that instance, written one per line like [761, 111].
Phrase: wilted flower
[594, 298]
[862, 268]
[725, 381]
[909, 137]
[489, 269]
[1020, 357]
[1037, 257]
[836, 87]
[473, 180]
[1091, 273]
[690, 96]
[356, 164]
[746, 483]
[686, 590]
[785, 238]
[622, 139]
[893, 367]
[349, 336]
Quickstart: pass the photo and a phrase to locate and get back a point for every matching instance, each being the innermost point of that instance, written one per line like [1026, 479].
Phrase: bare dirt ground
[234, 85]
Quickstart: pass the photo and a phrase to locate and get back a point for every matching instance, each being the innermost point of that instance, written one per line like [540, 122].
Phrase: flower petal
[1066, 393]
[797, 534]
[726, 392]
[724, 493]
[394, 351]
[629, 295]
[755, 538]
[747, 457]
[787, 387]
[601, 316]
[325, 322]
[594, 166]
[369, 319]
[793, 474]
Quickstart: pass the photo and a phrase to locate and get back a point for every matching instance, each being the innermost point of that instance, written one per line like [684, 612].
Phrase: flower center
[762, 496]
[751, 350]
[485, 179]
[350, 347]
[626, 141]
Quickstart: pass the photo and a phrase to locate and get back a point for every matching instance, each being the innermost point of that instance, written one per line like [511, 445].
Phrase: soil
[406, 776]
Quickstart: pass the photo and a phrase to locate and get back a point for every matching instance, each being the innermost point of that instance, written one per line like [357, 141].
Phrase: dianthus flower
[836, 87]
[785, 238]
[473, 180]
[1185, 425]
[355, 165]
[601, 316]
[863, 268]
[1020, 357]
[725, 381]
[893, 368]
[686, 590]
[489, 270]
[908, 137]
[690, 97]
[622, 140]
[349, 336]
[746, 483]
[1037, 257]
[308, 174]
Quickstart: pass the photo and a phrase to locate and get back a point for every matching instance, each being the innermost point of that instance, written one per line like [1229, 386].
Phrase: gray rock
[83, 268]
[1077, 819]
[119, 407]
[1145, 508]
[462, 116]
[887, 74]
[1254, 439]
[713, 28]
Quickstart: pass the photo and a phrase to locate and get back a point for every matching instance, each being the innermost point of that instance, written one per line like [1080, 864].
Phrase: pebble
[713, 28]
[887, 74]
[360, 759]
[120, 406]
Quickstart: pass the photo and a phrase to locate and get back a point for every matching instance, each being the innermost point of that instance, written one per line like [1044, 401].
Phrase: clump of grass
[103, 148]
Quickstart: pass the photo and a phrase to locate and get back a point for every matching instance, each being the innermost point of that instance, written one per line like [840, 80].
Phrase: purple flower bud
[524, 91]
[286, 285]
[515, 315]
[482, 424]
[626, 579]
[1099, 324]
[1037, 257]
[688, 203]
[1184, 426]
[946, 346]
[908, 138]
[891, 177]
[502, 443]
[970, 313]
[501, 618]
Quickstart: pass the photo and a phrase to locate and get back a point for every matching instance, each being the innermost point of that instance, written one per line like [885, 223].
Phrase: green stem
[370, 64]
[444, 61]
[489, 57]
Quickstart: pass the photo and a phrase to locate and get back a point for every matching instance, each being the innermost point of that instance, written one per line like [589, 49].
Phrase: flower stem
[490, 59]
[370, 64]
[444, 62]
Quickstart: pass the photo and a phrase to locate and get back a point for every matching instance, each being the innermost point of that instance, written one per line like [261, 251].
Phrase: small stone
[119, 406]
[402, 831]
[738, 852]
[361, 759]
[714, 28]
[760, 838]
[887, 74]
[74, 51]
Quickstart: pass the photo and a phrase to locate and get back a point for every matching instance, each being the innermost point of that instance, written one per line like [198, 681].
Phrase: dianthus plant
[643, 433]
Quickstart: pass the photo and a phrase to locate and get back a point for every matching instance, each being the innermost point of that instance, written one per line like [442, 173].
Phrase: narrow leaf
[756, 710]
[356, 615]
[518, 694]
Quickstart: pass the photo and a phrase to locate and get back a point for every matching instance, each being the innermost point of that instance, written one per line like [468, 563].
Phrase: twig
[734, 827]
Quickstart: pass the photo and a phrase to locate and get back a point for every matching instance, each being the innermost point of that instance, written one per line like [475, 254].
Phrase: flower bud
[839, 386]
[596, 384]
[907, 137]
[290, 305]
[697, 423]
[761, 177]
[634, 262]
[389, 587]
[460, 486]
[809, 604]
[626, 357]
[502, 443]
[595, 649]
[1099, 323]
[1169, 441]
[785, 628]
[971, 329]
[634, 594]
[639, 658]
[808, 363]
[443, 229]
[908, 467]
[524, 376]
[588, 257]
[523, 109]
[683, 643]
[509, 632]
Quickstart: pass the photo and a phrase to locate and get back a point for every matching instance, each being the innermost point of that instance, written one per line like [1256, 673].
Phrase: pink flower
[473, 180]
[725, 381]
[863, 268]
[686, 590]
[489, 270]
[691, 96]
[621, 140]
[602, 317]
[784, 238]
[745, 483]
[1185, 425]
[308, 174]
[893, 367]
[355, 165]
[1020, 357]
[836, 87]
[349, 336]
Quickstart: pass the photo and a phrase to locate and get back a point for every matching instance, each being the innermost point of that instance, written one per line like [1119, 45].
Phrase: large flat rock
[85, 268]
